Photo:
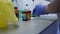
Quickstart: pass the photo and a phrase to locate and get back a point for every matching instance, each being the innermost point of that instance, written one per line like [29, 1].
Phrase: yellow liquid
[6, 13]
[3, 21]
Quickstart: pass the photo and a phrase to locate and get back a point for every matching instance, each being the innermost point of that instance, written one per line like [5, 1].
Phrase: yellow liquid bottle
[3, 17]
[7, 13]
[3, 21]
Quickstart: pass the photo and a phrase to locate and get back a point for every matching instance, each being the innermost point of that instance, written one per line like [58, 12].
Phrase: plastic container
[20, 13]
[29, 15]
[26, 15]
[16, 12]
[3, 21]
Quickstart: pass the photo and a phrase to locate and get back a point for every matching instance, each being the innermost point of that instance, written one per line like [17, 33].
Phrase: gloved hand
[39, 10]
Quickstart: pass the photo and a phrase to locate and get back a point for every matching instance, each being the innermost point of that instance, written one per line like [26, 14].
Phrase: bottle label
[24, 16]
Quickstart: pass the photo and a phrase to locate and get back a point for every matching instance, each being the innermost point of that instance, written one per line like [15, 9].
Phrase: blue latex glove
[39, 10]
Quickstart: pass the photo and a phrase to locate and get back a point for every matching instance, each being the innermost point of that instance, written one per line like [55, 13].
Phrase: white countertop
[34, 26]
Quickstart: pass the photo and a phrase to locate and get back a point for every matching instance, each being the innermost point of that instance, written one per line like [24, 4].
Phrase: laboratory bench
[37, 25]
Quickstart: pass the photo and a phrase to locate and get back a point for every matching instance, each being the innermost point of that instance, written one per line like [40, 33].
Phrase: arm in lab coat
[53, 7]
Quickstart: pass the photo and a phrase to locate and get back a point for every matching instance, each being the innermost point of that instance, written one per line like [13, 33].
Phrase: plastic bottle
[7, 13]
[3, 21]
[29, 15]
[24, 16]
[16, 12]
